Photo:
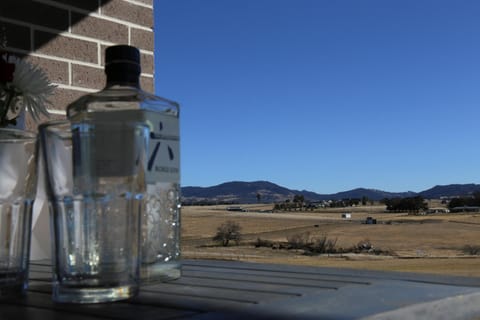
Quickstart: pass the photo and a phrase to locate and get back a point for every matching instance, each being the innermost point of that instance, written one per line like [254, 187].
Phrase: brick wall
[67, 39]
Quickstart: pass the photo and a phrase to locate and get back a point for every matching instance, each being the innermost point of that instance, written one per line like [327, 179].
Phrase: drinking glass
[96, 186]
[17, 193]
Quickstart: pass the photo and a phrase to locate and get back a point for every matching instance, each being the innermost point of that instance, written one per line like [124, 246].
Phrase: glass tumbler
[96, 186]
[18, 150]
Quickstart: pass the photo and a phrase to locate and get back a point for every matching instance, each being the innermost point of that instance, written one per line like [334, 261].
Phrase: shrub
[311, 245]
[299, 240]
[471, 250]
[228, 231]
[323, 245]
[263, 243]
[365, 246]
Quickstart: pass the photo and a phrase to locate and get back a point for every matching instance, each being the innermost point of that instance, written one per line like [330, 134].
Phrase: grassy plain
[428, 244]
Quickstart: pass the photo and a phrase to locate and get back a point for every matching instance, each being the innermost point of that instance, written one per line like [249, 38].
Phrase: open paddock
[430, 243]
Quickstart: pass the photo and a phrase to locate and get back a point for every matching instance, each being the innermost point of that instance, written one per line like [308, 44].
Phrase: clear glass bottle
[122, 100]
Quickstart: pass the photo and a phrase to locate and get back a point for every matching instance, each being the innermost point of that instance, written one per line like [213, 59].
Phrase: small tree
[364, 200]
[298, 200]
[229, 230]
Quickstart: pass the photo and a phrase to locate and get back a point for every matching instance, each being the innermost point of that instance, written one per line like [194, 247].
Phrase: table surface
[211, 289]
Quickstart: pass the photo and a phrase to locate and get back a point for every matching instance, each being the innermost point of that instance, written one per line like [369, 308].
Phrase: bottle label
[109, 140]
[163, 163]
[118, 138]
[108, 149]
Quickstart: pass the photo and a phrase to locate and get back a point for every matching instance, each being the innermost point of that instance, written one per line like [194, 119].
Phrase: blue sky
[322, 95]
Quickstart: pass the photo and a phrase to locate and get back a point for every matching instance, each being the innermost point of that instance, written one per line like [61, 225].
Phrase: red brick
[56, 71]
[147, 2]
[147, 63]
[35, 13]
[100, 29]
[129, 12]
[32, 125]
[66, 47]
[18, 37]
[102, 54]
[88, 77]
[59, 100]
[142, 39]
[147, 84]
[88, 5]
[63, 97]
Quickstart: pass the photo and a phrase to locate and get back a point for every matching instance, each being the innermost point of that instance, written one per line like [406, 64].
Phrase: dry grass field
[429, 243]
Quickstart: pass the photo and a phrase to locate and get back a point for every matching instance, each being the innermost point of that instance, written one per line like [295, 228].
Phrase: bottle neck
[123, 74]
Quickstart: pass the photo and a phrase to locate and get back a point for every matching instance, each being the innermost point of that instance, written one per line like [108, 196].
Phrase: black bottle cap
[122, 65]
[122, 53]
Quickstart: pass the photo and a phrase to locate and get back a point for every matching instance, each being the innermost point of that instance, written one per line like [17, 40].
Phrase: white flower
[32, 88]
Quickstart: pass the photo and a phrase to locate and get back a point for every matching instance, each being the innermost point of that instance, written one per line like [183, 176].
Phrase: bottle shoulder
[120, 99]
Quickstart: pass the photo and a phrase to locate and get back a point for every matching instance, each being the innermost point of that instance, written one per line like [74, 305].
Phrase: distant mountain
[238, 192]
[373, 194]
[451, 190]
[246, 192]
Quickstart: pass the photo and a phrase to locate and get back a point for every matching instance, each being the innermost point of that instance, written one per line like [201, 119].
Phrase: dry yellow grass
[431, 244]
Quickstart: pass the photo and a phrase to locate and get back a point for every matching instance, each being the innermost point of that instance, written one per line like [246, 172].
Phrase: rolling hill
[246, 192]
